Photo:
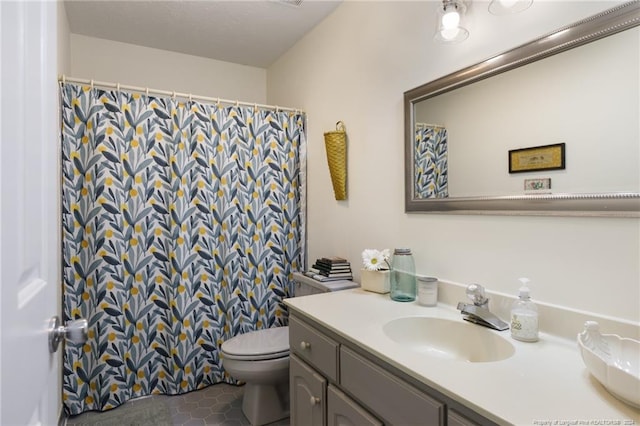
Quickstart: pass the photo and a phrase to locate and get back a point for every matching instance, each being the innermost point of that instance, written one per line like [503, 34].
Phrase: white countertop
[544, 382]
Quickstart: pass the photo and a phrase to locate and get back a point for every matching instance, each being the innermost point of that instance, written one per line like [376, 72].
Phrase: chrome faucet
[478, 312]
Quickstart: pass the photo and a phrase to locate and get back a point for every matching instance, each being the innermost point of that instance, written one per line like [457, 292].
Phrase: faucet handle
[475, 292]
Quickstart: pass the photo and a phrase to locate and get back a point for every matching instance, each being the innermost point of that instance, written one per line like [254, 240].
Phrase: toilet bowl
[261, 360]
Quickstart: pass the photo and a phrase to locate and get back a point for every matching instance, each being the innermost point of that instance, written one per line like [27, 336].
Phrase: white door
[29, 242]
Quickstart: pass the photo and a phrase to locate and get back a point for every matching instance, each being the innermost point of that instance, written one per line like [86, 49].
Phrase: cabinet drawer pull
[314, 401]
[305, 345]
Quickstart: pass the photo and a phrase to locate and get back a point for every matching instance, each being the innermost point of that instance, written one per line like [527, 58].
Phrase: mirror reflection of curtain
[430, 162]
[182, 225]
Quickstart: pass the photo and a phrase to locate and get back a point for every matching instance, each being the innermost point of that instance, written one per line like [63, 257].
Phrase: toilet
[261, 359]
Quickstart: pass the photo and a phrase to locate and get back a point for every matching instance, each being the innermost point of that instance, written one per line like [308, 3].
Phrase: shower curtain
[182, 225]
[430, 162]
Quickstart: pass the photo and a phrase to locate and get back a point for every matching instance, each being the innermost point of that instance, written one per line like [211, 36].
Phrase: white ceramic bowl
[613, 361]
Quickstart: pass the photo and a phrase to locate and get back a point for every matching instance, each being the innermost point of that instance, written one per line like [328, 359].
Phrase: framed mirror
[548, 128]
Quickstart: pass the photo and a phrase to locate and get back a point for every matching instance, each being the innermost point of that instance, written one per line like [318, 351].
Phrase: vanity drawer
[395, 401]
[314, 347]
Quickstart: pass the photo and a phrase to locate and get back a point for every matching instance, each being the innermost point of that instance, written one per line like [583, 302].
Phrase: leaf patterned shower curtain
[182, 225]
[431, 169]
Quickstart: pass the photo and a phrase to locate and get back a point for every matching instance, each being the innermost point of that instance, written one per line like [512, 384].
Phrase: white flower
[375, 260]
[386, 253]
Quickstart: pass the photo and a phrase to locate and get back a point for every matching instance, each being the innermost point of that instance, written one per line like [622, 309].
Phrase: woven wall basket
[336, 145]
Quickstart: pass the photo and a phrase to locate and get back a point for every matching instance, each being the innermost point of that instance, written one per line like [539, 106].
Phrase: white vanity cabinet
[335, 383]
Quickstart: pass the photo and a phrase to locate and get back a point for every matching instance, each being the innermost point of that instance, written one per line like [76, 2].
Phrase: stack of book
[330, 269]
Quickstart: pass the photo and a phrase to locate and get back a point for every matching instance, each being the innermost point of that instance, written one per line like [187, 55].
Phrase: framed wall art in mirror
[577, 88]
[537, 158]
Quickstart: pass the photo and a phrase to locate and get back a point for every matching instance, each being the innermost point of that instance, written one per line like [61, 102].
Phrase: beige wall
[354, 67]
[110, 61]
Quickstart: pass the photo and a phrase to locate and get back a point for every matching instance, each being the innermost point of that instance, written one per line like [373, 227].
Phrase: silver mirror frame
[616, 204]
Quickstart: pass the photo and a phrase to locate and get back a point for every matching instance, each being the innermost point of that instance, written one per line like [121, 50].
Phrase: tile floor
[216, 405]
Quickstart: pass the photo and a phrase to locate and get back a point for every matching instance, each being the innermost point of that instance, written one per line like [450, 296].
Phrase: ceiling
[254, 33]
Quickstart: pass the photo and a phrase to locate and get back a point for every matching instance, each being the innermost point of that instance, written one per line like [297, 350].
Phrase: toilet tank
[305, 286]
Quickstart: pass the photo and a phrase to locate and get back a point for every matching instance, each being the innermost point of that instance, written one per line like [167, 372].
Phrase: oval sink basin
[449, 339]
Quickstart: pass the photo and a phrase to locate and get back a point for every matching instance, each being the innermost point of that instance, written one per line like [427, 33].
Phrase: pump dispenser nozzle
[524, 289]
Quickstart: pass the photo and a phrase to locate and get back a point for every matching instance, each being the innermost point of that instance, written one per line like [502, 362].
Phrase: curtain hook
[174, 95]
[190, 98]
[92, 84]
[64, 79]
[147, 92]
[118, 87]
[255, 108]
[237, 103]
[277, 108]
[218, 102]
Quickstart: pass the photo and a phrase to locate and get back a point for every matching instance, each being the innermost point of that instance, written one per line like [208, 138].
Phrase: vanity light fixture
[450, 22]
[507, 7]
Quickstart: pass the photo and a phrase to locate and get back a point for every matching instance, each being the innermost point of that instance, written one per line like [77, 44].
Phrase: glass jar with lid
[403, 276]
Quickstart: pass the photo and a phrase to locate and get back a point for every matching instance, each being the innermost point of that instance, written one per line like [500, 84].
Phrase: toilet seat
[271, 343]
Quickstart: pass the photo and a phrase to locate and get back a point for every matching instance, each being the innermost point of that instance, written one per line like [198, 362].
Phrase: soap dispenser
[524, 315]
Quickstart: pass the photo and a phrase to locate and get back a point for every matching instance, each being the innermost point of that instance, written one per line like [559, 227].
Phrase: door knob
[74, 332]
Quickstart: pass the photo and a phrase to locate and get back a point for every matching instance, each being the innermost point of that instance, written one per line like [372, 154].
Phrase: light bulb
[507, 3]
[449, 33]
[507, 7]
[451, 18]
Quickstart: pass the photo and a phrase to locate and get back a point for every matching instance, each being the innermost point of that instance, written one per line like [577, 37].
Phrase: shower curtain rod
[64, 79]
[436, 126]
